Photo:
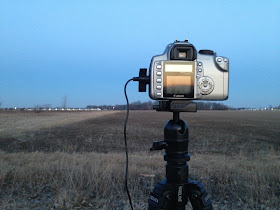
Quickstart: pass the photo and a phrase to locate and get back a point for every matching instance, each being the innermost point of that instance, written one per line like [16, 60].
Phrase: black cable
[125, 142]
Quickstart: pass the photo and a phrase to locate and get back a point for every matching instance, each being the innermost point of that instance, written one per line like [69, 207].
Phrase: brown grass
[81, 165]
[12, 123]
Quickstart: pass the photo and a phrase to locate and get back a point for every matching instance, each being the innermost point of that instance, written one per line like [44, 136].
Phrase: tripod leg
[168, 196]
[198, 196]
[158, 198]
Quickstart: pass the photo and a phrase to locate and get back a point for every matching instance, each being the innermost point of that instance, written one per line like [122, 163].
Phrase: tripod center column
[176, 136]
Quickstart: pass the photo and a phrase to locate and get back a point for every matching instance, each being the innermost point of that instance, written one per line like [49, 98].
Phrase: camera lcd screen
[178, 79]
[178, 85]
[178, 68]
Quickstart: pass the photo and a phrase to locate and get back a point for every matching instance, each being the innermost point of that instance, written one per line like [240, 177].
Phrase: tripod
[173, 192]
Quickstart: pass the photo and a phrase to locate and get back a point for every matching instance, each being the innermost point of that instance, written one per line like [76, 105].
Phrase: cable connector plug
[143, 80]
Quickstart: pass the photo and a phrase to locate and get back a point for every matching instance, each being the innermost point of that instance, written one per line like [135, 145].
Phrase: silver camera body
[182, 73]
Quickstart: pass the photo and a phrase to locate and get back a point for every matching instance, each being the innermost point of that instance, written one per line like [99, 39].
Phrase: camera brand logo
[180, 194]
[178, 96]
[153, 198]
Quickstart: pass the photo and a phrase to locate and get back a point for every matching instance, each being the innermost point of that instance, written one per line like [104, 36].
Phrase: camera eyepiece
[185, 52]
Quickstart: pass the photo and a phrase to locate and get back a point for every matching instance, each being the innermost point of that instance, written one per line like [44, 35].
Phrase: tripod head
[176, 106]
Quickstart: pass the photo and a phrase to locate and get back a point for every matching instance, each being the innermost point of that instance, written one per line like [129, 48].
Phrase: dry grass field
[13, 123]
[77, 160]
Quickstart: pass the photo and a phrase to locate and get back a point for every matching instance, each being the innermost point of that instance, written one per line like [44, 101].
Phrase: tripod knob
[158, 145]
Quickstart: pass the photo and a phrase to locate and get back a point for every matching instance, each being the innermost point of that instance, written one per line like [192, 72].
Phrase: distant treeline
[211, 106]
[132, 106]
[149, 106]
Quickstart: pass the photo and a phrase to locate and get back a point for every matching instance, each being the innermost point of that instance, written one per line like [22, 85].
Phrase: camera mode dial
[206, 85]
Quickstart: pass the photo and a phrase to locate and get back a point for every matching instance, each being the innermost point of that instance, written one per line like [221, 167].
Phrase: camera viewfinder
[183, 52]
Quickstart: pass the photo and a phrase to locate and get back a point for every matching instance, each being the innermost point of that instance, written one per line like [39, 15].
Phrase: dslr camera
[183, 73]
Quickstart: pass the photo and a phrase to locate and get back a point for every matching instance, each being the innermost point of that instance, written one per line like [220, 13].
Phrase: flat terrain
[12, 123]
[76, 160]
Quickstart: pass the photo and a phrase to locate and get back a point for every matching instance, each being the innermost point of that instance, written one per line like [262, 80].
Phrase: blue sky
[87, 50]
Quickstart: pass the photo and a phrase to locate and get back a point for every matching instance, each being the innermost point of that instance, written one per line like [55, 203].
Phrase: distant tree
[203, 106]
[46, 106]
[218, 106]
[211, 106]
[0, 103]
[37, 106]
[277, 107]
[64, 102]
